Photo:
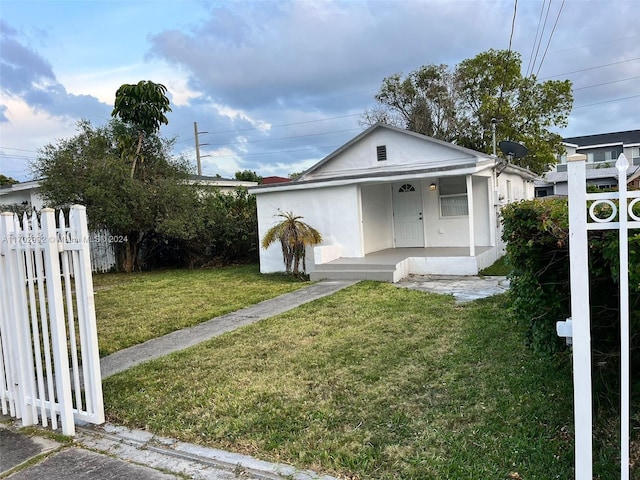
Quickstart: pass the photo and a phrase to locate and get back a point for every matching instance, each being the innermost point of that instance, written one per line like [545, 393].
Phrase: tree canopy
[248, 176]
[458, 105]
[6, 181]
[142, 106]
[88, 169]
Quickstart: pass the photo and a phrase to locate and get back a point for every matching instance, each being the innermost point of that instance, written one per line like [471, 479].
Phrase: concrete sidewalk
[117, 453]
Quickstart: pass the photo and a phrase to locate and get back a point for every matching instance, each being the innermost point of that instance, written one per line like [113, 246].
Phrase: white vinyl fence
[585, 213]
[49, 361]
[103, 254]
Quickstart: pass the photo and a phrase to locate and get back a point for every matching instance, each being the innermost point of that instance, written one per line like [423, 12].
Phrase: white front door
[407, 214]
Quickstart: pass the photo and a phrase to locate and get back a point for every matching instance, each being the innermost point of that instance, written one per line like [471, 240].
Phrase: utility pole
[493, 134]
[198, 144]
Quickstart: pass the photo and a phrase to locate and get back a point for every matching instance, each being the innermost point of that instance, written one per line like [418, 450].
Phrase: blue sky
[279, 85]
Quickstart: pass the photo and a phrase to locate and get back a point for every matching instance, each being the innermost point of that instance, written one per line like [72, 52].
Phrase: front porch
[394, 264]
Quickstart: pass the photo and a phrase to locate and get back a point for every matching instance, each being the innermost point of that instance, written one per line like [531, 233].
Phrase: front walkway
[188, 337]
[463, 288]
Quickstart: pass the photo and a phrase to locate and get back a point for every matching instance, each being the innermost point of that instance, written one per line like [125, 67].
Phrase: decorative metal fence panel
[49, 360]
[597, 211]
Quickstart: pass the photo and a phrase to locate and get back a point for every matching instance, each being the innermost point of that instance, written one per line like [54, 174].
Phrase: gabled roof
[416, 156]
[274, 179]
[465, 152]
[627, 137]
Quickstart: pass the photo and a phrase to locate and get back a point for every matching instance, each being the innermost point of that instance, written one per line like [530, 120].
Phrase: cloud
[28, 76]
[254, 55]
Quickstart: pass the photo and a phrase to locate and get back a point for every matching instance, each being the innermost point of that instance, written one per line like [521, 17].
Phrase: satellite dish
[513, 149]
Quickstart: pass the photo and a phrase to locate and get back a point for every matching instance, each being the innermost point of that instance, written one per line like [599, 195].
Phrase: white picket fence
[103, 253]
[584, 216]
[49, 361]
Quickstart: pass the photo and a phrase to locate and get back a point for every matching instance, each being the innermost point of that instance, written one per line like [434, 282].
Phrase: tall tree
[458, 105]
[142, 106]
[89, 169]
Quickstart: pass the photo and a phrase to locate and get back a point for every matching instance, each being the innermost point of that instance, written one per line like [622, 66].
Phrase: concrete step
[353, 274]
[358, 267]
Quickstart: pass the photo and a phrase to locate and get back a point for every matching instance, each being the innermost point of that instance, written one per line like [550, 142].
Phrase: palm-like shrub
[294, 236]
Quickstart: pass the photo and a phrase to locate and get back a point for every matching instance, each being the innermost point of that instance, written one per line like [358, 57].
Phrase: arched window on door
[407, 187]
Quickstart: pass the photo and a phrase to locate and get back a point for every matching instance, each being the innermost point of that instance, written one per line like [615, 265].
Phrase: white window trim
[456, 195]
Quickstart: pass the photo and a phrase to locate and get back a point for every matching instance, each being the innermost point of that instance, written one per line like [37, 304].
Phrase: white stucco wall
[22, 192]
[403, 151]
[482, 224]
[513, 188]
[334, 212]
[377, 217]
[442, 231]
[520, 189]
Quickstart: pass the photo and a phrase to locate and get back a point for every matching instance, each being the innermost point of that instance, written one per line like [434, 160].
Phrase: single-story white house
[390, 203]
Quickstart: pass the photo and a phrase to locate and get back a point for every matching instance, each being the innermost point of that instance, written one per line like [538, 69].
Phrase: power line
[280, 125]
[541, 34]
[17, 149]
[614, 40]
[288, 124]
[263, 154]
[505, 67]
[590, 68]
[550, 37]
[607, 101]
[533, 46]
[286, 138]
[606, 83]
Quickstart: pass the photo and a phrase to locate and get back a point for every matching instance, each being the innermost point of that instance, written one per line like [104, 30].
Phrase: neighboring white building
[28, 193]
[224, 185]
[103, 256]
[25, 194]
[391, 202]
[602, 151]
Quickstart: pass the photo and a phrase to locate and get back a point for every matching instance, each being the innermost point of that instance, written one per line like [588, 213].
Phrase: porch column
[493, 212]
[472, 236]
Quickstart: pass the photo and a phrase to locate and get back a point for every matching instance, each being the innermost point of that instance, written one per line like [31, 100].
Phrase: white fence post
[623, 235]
[87, 315]
[580, 316]
[56, 313]
[579, 225]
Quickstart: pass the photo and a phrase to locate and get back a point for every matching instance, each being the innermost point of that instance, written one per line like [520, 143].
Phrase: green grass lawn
[374, 382]
[500, 267]
[132, 308]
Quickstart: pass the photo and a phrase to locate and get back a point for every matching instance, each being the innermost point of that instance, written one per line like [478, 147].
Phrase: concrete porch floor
[393, 264]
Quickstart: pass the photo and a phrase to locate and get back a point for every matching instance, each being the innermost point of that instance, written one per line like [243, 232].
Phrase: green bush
[537, 237]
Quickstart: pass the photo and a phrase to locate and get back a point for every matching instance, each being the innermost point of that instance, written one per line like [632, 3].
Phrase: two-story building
[602, 151]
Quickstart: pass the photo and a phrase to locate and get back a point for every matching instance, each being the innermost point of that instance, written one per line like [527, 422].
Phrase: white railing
[583, 218]
[49, 360]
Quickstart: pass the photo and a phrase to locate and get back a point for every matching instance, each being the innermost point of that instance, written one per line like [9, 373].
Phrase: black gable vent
[381, 151]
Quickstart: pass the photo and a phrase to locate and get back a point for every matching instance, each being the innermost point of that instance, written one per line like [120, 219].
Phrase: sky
[275, 86]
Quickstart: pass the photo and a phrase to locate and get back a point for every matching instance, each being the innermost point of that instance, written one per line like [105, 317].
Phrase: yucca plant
[294, 236]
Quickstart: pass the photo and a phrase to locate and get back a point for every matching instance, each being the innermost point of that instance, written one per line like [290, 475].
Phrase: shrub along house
[391, 202]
